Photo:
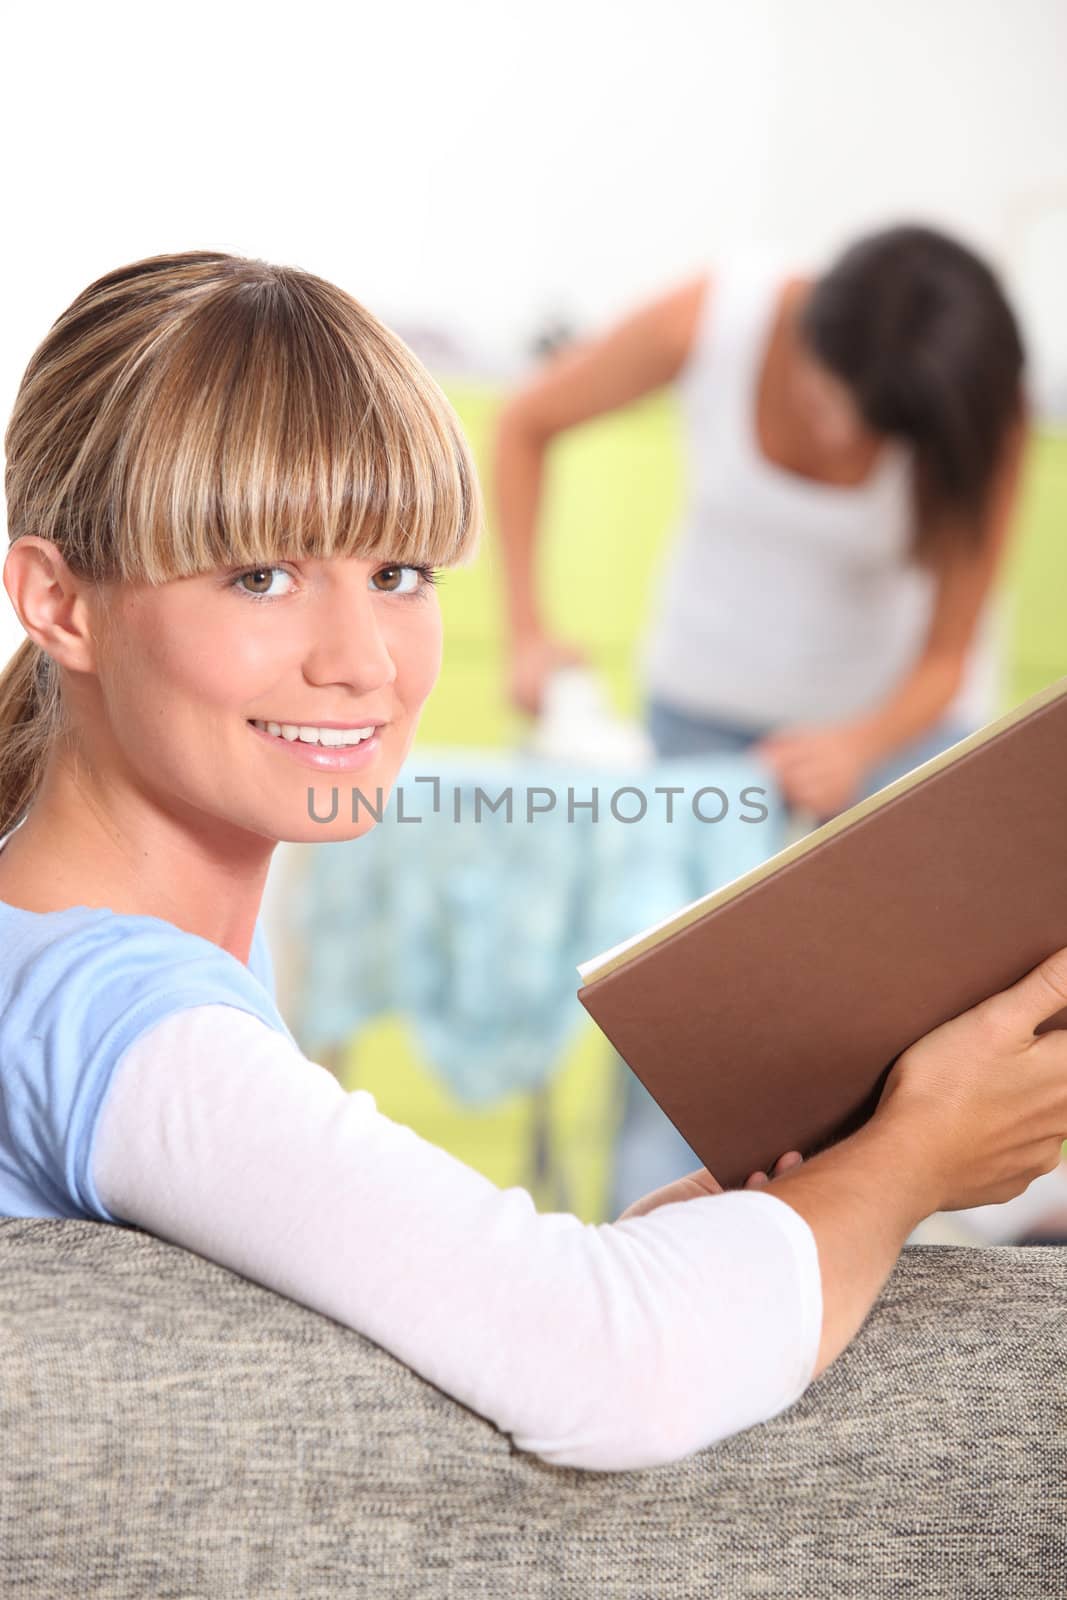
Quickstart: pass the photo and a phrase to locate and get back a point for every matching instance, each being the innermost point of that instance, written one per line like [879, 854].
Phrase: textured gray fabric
[172, 1430]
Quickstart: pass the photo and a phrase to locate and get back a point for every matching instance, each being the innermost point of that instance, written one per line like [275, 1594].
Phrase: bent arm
[861, 1199]
[607, 1347]
[638, 354]
[963, 585]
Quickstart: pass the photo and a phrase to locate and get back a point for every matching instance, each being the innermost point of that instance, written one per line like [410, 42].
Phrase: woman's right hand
[985, 1095]
[534, 657]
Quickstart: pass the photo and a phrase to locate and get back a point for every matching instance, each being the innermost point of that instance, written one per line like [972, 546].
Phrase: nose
[348, 643]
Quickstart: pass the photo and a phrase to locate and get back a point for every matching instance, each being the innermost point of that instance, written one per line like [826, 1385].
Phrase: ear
[52, 603]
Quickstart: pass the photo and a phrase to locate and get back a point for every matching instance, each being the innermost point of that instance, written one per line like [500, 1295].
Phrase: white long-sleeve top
[605, 1346]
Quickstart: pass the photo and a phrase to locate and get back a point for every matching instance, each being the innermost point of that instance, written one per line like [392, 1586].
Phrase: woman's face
[187, 667]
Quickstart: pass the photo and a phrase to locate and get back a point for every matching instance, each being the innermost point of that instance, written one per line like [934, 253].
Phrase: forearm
[861, 1199]
[607, 1346]
[518, 476]
[914, 706]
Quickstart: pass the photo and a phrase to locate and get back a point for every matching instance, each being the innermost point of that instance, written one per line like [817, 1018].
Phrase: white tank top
[783, 599]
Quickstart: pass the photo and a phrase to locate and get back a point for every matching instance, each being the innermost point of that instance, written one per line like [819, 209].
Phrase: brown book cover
[766, 1016]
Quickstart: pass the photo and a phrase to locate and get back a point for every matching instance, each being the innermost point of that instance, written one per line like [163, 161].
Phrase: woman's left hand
[818, 769]
[701, 1182]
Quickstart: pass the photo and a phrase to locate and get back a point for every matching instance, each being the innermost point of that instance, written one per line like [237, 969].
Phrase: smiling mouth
[324, 735]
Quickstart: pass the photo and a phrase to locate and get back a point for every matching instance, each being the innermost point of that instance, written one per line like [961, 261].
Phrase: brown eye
[396, 572]
[258, 576]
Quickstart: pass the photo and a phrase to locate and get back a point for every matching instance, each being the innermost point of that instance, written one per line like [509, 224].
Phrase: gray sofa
[170, 1429]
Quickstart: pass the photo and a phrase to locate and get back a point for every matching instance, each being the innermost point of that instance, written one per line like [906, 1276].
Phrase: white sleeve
[608, 1346]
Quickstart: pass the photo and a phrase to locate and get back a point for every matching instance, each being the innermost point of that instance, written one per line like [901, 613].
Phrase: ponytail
[30, 715]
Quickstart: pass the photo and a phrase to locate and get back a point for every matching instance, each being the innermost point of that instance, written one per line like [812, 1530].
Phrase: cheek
[178, 669]
[208, 668]
[418, 654]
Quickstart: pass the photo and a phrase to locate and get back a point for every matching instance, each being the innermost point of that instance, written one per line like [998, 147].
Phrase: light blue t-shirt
[77, 987]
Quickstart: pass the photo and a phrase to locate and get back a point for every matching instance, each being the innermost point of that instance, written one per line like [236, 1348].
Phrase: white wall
[955, 110]
[481, 164]
[473, 160]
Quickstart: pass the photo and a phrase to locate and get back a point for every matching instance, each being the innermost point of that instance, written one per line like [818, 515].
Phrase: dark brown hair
[921, 331]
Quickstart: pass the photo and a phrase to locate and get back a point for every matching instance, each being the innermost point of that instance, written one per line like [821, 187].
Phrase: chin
[342, 830]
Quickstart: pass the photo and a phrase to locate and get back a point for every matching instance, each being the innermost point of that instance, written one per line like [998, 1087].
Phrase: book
[766, 1015]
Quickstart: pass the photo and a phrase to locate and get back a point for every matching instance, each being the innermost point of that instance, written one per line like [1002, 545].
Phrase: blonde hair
[203, 410]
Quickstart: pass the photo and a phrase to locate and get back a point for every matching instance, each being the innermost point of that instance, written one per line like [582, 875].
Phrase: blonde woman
[230, 489]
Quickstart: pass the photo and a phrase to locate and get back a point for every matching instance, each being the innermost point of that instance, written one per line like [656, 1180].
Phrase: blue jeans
[649, 1150]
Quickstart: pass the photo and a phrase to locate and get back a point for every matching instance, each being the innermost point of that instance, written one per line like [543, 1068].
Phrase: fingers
[1036, 997]
[792, 1158]
[702, 1180]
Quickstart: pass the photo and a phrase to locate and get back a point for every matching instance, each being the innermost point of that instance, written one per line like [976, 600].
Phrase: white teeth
[309, 735]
